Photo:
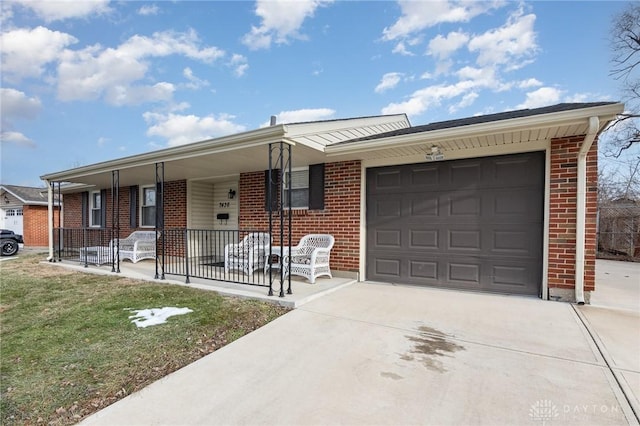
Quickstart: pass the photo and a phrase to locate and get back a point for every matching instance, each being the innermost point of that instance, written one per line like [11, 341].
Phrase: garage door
[469, 224]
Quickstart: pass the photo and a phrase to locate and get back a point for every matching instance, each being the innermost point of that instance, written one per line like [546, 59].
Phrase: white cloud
[466, 101]
[511, 45]
[401, 49]
[442, 47]
[112, 73]
[148, 9]
[281, 21]
[420, 15]
[65, 9]
[16, 105]
[25, 52]
[302, 116]
[239, 64]
[429, 97]
[194, 82]
[183, 129]
[531, 82]
[102, 141]
[542, 97]
[389, 81]
[16, 138]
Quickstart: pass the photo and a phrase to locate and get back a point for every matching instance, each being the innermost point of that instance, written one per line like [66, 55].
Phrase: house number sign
[224, 205]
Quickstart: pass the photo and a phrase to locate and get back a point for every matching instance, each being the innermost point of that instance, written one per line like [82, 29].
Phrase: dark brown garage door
[470, 224]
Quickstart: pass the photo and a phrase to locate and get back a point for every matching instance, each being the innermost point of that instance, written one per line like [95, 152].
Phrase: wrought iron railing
[237, 256]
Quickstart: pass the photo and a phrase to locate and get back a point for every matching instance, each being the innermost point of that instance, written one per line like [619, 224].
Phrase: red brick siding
[175, 208]
[36, 225]
[340, 217]
[562, 213]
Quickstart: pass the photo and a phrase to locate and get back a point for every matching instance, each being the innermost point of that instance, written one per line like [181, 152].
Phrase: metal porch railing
[190, 253]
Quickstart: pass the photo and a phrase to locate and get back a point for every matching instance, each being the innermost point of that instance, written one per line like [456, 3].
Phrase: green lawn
[68, 347]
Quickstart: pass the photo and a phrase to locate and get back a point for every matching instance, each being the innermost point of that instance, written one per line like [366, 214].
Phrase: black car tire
[9, 247]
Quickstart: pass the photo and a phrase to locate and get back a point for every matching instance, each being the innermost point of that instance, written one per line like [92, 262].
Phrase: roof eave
[260, 136]
[606, 113]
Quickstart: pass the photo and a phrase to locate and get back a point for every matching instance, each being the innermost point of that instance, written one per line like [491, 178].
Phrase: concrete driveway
[379, 354]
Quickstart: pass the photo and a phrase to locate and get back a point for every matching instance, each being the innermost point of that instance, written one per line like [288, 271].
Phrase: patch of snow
[154, 316]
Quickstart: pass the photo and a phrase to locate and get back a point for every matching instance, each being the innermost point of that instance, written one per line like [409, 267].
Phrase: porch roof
[228, 156]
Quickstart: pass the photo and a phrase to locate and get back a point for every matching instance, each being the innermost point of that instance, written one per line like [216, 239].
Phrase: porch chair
[310, 258]
[248, 255]
[138, 245]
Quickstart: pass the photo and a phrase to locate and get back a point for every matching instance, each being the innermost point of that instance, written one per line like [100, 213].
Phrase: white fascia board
[605, 112]
[295, 130]
[263, 136]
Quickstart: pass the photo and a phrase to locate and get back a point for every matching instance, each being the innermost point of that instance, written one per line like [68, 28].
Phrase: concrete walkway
[377, 354]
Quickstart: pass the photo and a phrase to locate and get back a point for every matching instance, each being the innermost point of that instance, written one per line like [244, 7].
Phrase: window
[148, 207]
[96, 209]
[297, 182]
[305, 184]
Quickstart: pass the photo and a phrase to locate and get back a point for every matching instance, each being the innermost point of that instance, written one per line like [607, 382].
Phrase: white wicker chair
[310, 258]
[137, 246]
[249, 254]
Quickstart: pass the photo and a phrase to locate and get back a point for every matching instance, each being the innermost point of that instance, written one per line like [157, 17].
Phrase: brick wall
[340, 217]
[562, 215]
[36, 225]
[175, 208]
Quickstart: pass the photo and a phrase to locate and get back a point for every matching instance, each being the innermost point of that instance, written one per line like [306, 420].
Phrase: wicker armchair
[248, 255]
[310, 258]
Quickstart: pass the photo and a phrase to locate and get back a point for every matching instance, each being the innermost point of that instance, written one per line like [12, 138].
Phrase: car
[10, 242]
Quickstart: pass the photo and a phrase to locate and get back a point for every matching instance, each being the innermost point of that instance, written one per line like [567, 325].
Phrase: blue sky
[90, 81]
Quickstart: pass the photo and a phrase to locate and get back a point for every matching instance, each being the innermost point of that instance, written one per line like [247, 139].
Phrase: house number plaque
[224, 205]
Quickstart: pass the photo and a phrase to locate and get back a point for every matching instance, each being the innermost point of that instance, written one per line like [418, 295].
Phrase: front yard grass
[68, 347]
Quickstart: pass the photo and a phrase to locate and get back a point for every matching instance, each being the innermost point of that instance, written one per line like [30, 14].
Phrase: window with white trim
[148, 206]
[297, 182]
[95, 208]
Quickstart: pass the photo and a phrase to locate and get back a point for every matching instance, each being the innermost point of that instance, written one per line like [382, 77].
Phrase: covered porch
[302, 291]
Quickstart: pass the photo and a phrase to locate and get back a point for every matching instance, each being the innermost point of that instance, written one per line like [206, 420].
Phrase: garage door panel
[421, 206]
[423, 176]
[464, 273]
[388, 207]
[464, 240]
[388, 238]
[423, 270]
[390, 179]
[479, 228]
[465, 174]
[464, 204]
[426, 239]
[386, 268]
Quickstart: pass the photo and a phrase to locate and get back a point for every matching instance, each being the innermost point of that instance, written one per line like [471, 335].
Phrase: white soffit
[508, 134]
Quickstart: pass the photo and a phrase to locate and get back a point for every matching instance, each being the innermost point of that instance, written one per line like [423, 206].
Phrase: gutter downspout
[581, 206]
[50, 226]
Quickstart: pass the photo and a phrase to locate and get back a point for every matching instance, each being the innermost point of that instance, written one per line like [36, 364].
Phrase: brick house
[23, 210]
[500, 203]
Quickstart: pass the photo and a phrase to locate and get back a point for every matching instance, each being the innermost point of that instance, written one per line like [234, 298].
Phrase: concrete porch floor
[302, 290]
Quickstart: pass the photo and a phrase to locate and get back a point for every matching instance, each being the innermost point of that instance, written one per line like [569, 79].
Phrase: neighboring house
[500, 203]
[23, 210]
[619, 228]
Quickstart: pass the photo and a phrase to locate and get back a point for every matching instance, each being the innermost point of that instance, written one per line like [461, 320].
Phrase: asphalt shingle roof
[29, 194]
